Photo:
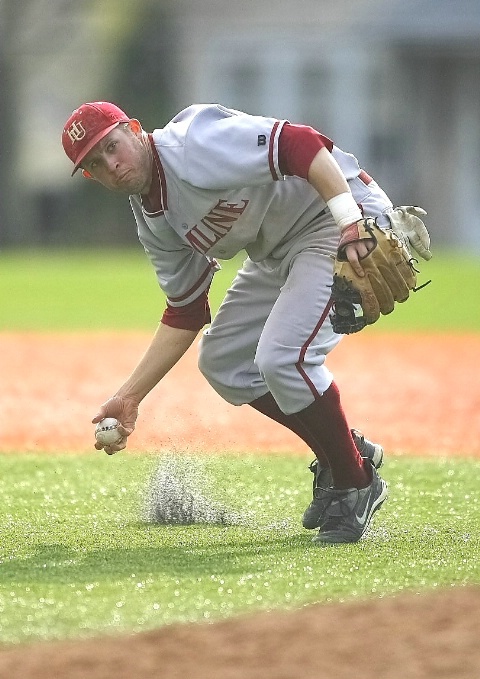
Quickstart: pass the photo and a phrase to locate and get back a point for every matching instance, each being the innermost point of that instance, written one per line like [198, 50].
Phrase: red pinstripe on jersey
[211, 265]
[155, 203]
[271, 164]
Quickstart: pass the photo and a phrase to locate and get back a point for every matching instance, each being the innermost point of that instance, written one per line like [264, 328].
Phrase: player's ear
[135, 126]
[87, 175]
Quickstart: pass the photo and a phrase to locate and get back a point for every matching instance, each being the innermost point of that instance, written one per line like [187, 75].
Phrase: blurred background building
[396, 82]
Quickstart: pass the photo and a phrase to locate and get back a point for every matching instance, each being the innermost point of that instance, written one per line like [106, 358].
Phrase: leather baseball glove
[389, 269]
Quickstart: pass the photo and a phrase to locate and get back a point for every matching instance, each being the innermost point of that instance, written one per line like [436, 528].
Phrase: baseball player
[211, 183]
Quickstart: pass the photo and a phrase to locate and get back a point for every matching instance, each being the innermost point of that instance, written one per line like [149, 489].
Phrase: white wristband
[344, 209]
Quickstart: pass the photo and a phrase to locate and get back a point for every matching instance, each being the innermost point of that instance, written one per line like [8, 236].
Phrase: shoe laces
[336, 503]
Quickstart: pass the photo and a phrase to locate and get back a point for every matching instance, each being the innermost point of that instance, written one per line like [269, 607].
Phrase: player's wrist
[349, 234]
[345, 210]
[131, 398]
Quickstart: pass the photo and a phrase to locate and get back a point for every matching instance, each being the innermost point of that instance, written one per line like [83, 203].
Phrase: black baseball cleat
[347, 513]
[322, 477]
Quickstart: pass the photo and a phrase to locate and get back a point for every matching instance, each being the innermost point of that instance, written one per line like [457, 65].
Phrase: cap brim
[94, 141]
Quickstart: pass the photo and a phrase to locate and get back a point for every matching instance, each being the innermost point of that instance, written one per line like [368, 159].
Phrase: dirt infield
[415, 394]
[407, 637]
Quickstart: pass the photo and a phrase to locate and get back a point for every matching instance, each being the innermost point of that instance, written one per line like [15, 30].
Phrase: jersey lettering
[215, 225]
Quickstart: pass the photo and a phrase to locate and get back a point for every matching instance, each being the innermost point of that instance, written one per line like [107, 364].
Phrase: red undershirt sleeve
[192, 316]
[297, 147]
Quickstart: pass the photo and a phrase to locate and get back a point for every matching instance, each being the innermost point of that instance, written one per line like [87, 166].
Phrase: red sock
[268, 406]
[326, 422]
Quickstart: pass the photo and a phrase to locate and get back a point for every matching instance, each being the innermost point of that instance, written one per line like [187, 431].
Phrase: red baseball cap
[87, 125]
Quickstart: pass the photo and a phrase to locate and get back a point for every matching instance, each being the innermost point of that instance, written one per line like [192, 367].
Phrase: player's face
[121, 161]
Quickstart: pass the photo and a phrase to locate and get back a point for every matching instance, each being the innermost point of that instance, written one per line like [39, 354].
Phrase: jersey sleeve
[193, 316]
[184, 275]
[213, 147]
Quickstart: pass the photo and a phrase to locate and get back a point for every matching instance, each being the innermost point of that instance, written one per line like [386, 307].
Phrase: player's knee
[214, 365]
[213, 377]
[224, 377]
[206, 363]
[272, 363]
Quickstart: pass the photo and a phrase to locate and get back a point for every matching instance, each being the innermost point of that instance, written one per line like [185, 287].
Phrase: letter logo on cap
[76, 131]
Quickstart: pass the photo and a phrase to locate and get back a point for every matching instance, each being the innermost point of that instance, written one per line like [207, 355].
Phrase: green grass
[448, 304]
[77, 558]
[117, 289]
[75, 290]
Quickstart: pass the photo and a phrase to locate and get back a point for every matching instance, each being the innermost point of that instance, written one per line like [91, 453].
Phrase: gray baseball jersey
[221, 191]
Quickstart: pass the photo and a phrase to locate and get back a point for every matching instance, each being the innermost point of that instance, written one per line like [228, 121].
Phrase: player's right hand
[125, 410]
[353, 248]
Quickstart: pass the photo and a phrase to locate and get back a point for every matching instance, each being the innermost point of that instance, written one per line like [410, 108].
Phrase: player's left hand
[126, 412]
[387, 277]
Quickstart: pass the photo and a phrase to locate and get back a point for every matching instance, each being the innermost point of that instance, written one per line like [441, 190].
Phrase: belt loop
[365, 177]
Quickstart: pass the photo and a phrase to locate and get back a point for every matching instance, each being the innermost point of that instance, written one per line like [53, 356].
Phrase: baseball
[106, 432]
